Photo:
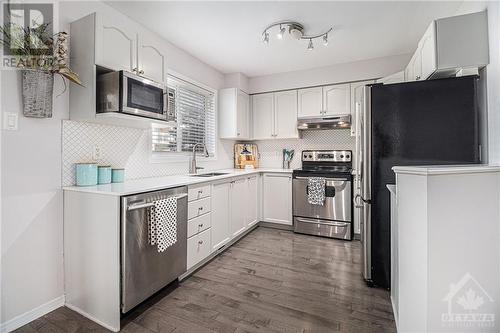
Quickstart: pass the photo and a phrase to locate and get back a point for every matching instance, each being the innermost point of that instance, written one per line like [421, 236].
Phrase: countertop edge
[445, 170]
[165, 182]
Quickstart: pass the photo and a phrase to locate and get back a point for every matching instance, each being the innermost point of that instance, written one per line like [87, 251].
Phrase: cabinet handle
[134, 69]
[141, 72]
[200, 208]
[200, 225]
[200, 242]
[417, 77]
[200, 191]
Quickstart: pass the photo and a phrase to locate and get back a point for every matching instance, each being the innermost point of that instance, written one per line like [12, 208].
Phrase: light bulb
[325, 39]
[265, 38]
[281, 33]
[310, 47]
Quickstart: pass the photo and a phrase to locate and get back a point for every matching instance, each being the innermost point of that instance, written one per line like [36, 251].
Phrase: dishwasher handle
[151, 204]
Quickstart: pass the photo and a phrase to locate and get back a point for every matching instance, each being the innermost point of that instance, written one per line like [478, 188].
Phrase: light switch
[10, 121]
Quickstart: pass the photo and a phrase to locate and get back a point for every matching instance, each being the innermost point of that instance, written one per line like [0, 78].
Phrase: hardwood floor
[270, 281]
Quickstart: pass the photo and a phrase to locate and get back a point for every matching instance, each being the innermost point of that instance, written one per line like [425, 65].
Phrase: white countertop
[157, 183]
[446, 169]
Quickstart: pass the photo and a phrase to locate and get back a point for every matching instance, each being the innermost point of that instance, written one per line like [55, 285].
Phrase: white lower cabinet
[252, 204]
[198, 248]
[198, 224]
[277, 198]
[221, 233]
[238, 206]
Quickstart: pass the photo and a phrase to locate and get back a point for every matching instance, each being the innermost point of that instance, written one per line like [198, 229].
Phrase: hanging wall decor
[39, 55]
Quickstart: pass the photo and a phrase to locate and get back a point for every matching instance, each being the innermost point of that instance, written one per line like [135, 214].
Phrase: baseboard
[31, 315]
[275, 225]
[395, 313]
[89, 316]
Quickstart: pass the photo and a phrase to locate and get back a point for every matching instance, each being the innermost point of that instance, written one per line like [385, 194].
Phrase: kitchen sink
[211, 174]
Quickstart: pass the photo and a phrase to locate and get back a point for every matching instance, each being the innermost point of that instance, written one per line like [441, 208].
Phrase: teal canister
[117, 175]
[86, 174]
[104, 174]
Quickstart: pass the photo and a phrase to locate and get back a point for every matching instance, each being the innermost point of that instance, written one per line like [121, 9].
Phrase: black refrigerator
[431, 122]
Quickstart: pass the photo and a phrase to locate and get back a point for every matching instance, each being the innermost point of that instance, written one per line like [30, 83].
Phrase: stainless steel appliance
[144, 270]
[428, 122]
[325, 122]
[333, 218]
[128, 93]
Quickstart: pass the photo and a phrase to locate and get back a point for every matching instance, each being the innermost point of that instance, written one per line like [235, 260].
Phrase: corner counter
[448, 236]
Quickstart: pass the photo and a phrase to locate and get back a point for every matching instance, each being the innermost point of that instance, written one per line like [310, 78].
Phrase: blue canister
[86, 174]
[117, 175]
[104, 174]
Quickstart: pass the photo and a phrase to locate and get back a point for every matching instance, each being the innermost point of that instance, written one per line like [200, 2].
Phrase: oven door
[338, 200]
[143, 97]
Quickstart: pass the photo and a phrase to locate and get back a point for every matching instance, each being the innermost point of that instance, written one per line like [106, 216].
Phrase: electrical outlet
[96, 153]
[10, 120]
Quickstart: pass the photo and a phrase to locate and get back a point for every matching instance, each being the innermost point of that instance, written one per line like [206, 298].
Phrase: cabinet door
[409, 74]
[252, 201]
[310, 103]
[263, 116]
[152, 59]
[357, 91]
[116, 39]
[238, 206]
[220, 215]
[285, 114]
[243, 116]
[277, 198]
[417, 66]
[337, 100]
[427, 46]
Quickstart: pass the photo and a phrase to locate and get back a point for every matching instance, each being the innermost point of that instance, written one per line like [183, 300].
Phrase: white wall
[353, 71]
[493, 72]
[31, 221]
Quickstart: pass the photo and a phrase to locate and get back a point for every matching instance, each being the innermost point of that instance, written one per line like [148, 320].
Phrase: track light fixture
[310, 47]
[296, 30]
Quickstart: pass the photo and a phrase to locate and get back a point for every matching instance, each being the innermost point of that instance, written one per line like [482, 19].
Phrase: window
[195, 112]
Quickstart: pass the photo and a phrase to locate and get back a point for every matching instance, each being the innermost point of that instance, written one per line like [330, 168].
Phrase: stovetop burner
[325, 163]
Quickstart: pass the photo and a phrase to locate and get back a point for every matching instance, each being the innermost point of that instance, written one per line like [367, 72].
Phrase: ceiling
[227, 35]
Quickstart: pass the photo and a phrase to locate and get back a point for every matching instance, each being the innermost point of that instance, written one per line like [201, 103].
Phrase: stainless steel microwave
[128, 93]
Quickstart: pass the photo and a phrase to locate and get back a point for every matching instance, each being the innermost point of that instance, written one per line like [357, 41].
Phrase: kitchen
[246, 219]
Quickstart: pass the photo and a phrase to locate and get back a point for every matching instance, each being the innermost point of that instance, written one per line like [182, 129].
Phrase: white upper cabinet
[450, 44]
[336, 100]
[285, 114]
[115, 43]
[277, 198]
[234, 115]
[427, 48]
[152, 59]
[357, 102]
[263, 116]
[310, 102]
[275, 115]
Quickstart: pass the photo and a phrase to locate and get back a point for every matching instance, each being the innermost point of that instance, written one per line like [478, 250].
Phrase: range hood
[323, 123]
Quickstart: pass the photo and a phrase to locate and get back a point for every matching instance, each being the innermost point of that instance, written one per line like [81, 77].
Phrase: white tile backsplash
[130, 148]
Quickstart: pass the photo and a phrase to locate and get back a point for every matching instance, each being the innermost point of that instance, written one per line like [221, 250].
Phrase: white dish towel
[316, 190]
[163, 223]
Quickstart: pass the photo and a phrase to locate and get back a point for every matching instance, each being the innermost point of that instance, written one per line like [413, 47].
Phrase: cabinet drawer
[198, 248]
[198, 192]
[198, 207]
[198, 224]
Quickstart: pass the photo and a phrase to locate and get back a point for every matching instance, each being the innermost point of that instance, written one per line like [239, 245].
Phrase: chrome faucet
[192, 164]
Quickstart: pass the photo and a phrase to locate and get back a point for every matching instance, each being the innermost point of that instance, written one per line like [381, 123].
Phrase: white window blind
[195, 112]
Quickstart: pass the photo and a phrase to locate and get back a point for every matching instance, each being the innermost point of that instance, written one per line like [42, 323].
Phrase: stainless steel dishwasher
[144, 270]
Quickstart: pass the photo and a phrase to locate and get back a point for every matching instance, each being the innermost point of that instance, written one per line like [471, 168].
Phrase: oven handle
[327, 179]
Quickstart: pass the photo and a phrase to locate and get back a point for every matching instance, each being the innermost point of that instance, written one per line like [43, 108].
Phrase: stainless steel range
[332, 218]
